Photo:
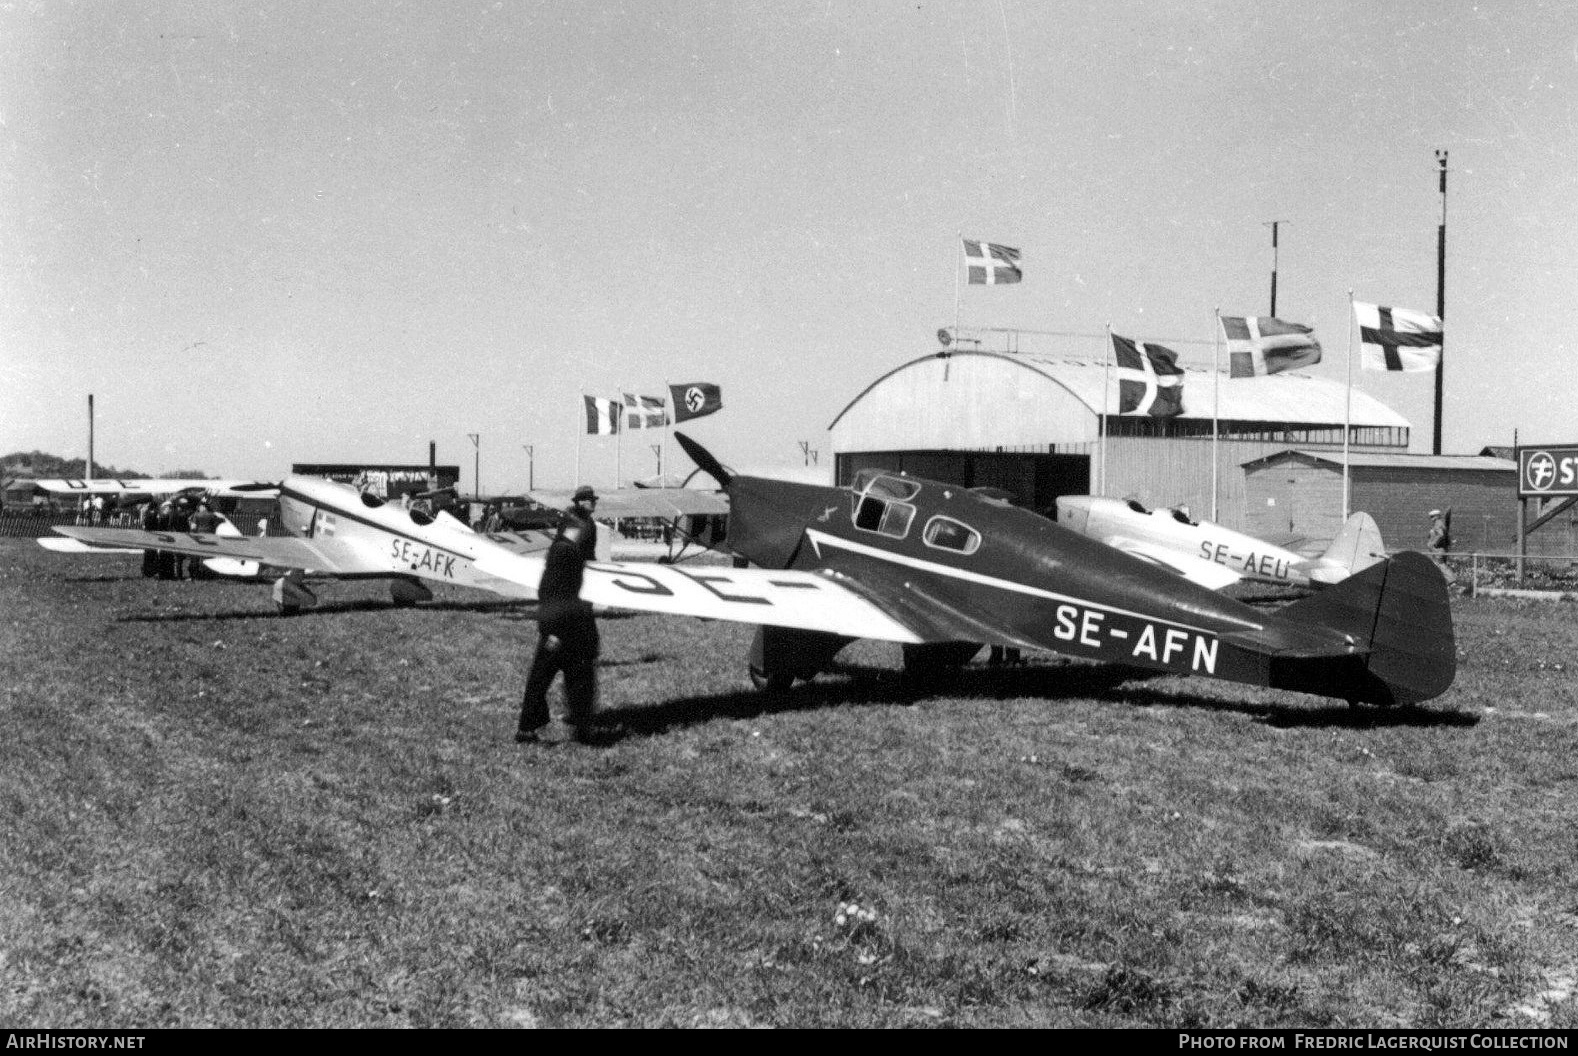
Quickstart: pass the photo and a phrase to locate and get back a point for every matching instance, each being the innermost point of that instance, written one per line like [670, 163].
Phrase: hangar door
[1034, 480]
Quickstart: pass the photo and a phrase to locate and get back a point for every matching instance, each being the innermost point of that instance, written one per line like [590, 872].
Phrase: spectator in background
[164, 522]
[206, 521]
[1440, 537]
[150, 523]
[181, 521]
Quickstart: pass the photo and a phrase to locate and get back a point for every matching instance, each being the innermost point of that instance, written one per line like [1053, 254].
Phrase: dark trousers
[570, 646]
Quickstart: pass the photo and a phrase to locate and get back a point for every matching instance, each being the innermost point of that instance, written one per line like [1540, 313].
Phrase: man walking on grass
[567, 641]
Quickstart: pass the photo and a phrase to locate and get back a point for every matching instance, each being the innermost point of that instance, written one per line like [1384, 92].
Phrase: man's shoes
[537, 736]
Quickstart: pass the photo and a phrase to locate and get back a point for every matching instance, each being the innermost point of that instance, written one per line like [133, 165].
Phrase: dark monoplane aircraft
[944, 570]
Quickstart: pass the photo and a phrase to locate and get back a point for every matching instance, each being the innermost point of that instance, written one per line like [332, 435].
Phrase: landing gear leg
[292, 595]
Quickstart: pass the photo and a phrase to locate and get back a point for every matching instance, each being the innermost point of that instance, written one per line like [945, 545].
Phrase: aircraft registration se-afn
[943, 571]
[930, 565]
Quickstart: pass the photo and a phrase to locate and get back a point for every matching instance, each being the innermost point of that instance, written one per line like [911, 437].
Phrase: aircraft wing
[667, 503]
[812, 601]
[61, 545]
[1208, 574]
[323, 555]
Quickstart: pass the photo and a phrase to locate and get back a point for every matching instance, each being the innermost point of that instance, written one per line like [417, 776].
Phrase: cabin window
[945, 533]
[421, 517]
[1137, 506]
[893, 488]
[371, 501]
[883, 517]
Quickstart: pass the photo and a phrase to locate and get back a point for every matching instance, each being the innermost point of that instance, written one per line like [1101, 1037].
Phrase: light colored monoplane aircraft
[1207, 553]
[338, 532]
[944, 571]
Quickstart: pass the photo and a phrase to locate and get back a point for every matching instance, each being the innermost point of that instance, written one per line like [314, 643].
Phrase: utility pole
[805, 450]
[531, 467]
[1274, 225]
[90, 436]
[476, 464]
[1441, 159]
[657, 449]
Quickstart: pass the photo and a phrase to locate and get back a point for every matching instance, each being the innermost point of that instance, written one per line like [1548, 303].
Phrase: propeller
[704, 460]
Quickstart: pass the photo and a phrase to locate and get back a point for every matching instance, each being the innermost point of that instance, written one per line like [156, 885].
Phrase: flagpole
[619, 441]
[1106, 384]
[1441, 157]
[579, 430]
[1347, 425]
[1216, 409]
[958, 289]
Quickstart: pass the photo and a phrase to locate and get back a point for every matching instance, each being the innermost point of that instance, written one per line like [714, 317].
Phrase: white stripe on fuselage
[820, 539]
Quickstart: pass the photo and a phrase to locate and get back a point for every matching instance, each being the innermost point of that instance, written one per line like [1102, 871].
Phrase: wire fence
[1480, 573]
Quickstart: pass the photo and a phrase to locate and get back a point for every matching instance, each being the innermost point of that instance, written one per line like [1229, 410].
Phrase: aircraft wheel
[292, 596]
[777, 682]
[407, 592]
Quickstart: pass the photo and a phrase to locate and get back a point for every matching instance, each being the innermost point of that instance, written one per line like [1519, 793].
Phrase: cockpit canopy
[881, 503]
[884, 503]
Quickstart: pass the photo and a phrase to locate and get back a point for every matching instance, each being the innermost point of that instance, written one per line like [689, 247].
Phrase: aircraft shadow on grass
[327, 609]
[871, 686]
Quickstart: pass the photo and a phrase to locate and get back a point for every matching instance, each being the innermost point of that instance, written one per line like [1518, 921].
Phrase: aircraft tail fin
[1399, 612]
[1356, 548]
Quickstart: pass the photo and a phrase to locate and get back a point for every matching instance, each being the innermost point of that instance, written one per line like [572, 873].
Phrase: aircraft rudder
[1401, 612]
[1358, 545]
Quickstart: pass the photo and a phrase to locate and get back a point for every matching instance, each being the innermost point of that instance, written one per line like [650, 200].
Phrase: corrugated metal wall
[1305, 496]
[1484, 506]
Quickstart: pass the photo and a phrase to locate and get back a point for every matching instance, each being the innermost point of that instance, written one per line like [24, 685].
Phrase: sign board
[1547, 471]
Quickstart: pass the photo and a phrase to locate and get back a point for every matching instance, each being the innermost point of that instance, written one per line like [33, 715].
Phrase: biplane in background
[684, 515]
[1207, 553]
[944, 571]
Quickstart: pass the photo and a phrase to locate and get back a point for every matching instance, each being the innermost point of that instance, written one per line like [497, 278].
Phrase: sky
[265, 233]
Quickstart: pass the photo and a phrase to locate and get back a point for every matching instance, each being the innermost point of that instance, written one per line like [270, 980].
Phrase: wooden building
[1040, 425]
[1301, 492]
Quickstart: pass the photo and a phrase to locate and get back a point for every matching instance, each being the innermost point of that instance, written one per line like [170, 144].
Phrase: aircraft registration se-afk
[338, 532]
[942, 571]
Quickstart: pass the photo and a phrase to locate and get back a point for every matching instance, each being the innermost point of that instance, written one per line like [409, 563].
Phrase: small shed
[1300, 492]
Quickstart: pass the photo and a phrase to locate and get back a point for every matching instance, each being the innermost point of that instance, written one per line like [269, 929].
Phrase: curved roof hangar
[973, 399]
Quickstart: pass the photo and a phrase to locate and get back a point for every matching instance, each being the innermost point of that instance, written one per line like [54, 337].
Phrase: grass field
[213, 816]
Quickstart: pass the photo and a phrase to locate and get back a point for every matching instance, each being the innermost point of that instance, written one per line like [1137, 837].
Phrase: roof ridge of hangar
[1271, 388]
[1380, 459]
